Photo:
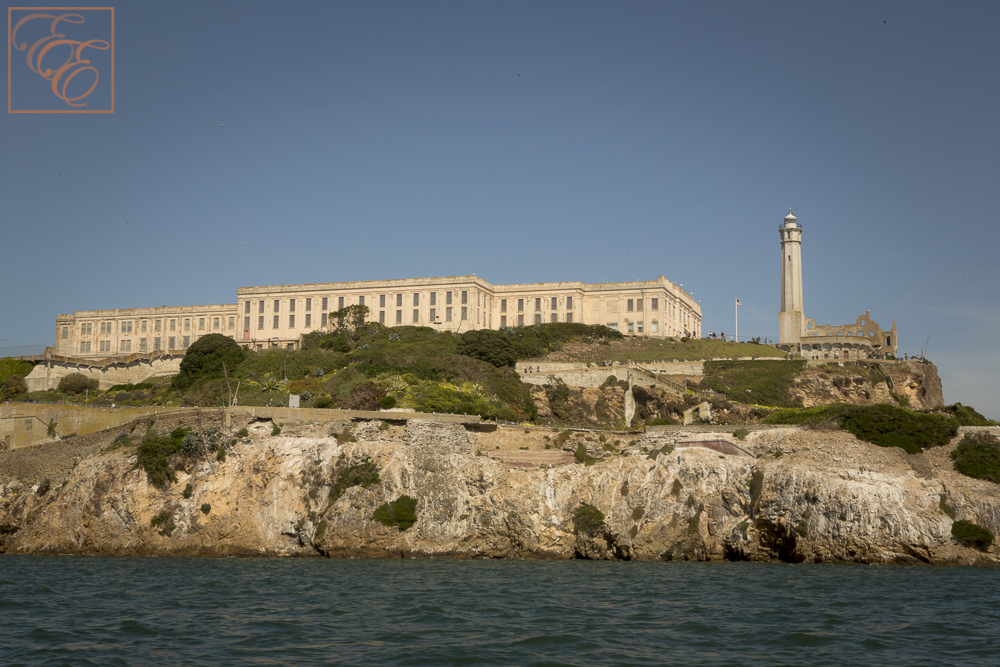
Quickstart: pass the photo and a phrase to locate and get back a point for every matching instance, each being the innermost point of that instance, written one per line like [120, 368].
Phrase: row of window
[126, 327]
[554, 304]
[463, 295]
[126, 345]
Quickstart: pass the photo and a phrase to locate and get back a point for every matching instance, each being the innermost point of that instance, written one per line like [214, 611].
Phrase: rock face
[808, 496]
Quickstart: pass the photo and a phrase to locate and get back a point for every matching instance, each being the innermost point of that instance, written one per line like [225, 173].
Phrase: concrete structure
[278, 315]
[796, 333]
[108, 371]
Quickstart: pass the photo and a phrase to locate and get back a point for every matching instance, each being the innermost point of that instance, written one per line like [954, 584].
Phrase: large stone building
[278, 315]
[800, 334]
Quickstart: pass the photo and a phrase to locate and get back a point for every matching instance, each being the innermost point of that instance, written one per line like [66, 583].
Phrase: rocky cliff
[807, 496]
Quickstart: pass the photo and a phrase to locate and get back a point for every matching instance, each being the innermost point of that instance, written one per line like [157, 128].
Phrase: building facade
[279, 315]
[862, 339]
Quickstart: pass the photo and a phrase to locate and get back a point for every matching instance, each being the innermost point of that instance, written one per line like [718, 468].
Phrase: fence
[22, 351]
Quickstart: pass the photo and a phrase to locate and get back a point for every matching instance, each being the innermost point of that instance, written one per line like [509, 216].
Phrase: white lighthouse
[791, 319]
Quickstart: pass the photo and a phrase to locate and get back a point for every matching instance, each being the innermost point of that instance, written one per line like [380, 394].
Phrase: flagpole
[736, 307]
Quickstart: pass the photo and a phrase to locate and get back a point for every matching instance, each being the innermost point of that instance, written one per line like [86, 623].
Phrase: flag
[738, 302]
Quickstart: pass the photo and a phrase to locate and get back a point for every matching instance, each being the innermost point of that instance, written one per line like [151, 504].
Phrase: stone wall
[108, 372]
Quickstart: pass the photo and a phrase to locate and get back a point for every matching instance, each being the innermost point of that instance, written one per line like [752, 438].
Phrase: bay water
[179, 611]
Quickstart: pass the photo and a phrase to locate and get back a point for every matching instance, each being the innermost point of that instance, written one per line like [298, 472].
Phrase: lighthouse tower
[791, 319]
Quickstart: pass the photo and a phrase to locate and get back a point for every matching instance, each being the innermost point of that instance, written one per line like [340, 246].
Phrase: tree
[12, 386]
[493, 347]
[349, 319]
[205, 358]
[77, 383]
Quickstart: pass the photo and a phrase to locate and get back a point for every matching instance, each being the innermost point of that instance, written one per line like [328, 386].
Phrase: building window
[447, 298]
[187, 324]
[142, 344]
[638, 304]
[503, 321]
[277, 306]
[612, 325]
[201, 324]
[555, 304]
[520, 305]
[538, 304]
[104, 346]
[538, 318]
[246, 307]
[520, 320]
[324, 304]
[322, 319]
[399, 317]
[433, 313]
[308, 320]
[156, 325]
[416, 315]
[187, 342]
[340, 302]
[260, 321]
[629, 325]
[654, 327]
[215, 323]
[447, 314]
[65, 333]
[172, 343]
[232, 323]
[275, 326]
[156, 344]
[569, 303]
[416, 298]
[173, 326]
[361, 300]
[503, 305]
[434, 298]
[399, 301]
[569, 317]
[381, 317]
[654, 304]
[246, 325]
[465, 298]
[465, 313]
[143, 327]
[127, 327]
[638, 327]
[381, 300]
[291, 305]
[84, 346]
[554, 317]
[629, 307]
[309, 304]
[291, 321]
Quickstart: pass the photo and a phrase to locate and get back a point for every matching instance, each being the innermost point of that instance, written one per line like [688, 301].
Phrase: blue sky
[268, 143]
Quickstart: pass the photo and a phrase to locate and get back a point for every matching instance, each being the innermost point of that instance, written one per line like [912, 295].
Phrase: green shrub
[494, 347]
[388, 402]
[77, 383]
[588, 520]
[978, 455]
[9, 367]
[13, 386]
[665, 449]
[400, 513]
[346, 436]
[244, 432]
[188, 490]
[971, 535]
[967, 416]
[362, 474]
[741, 433]
[205, 360]
[275, 429]
[882, 425]
[165, 520]
[152, 454]
[206, 508]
